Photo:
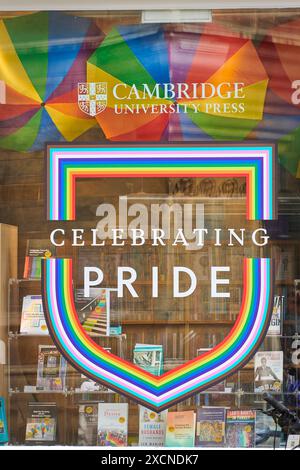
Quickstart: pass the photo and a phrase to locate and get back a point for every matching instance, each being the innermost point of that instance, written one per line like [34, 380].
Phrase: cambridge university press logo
[92, 97]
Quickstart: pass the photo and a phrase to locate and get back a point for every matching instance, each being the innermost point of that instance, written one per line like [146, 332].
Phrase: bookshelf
[181, 326]
[8, 269]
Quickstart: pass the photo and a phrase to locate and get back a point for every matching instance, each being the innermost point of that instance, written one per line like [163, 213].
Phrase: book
[240, 428]
[152, 427]
[33, 319]
[51, 369]
[87, 424]
[112, 424]
[180, 429]
[293, 441]
[268, 371]
[41, 424]
[210, 427]
[266, 433]
[115, 330]
[35, 251]
[149, 357]
[3, 423]
[275, 327]
[94, 311]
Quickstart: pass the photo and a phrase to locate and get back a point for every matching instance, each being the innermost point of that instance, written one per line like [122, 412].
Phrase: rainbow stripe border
[155, 392]
[67, 163]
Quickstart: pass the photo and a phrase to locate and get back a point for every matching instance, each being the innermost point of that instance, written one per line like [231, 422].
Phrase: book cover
[51, 369]
[275, 327]
[149, 357]
[35, 251]
[115, 330]
[112, 424]
[3, 423]
[41, 424]
[266, 434]
[293, 441]
[33, 320]
[240, 428]
[210, 427]
[268, 371]
[87, 424]
[93, 311]
[152, 427]
[180, 429]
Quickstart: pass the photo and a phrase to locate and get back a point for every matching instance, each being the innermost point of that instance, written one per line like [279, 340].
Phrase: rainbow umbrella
[132, 56]
[152, 56]
[280, 52]
[42, 59]
[219, 58]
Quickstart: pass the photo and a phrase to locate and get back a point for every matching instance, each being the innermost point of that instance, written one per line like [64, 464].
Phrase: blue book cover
[149, 357]
[3, 423]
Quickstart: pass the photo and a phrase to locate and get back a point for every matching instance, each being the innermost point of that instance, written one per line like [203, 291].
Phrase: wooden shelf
[177, 322]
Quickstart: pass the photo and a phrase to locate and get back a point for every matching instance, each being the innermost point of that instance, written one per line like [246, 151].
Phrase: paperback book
[88, 424]
[240, 428]
[36, 250]
[41, 424]
[149, 357]
[3, 423]
[112, 424]
[275, 327]
[152, 427]
[268, 371]
[51, 369]
[293, 442]
[115, 330]
[180, 429]
[33, 319]
[94, 311]
[210, 427]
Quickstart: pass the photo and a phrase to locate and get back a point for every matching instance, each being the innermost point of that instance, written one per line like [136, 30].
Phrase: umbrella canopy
[132, 55]
[218, 57]
[153, 56]
[279, 52]
[42, 59]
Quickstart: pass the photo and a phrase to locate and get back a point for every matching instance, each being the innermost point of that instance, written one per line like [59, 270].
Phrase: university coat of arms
[92, 97]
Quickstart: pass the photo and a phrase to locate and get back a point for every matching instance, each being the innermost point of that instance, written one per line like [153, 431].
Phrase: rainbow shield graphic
[67, 163]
